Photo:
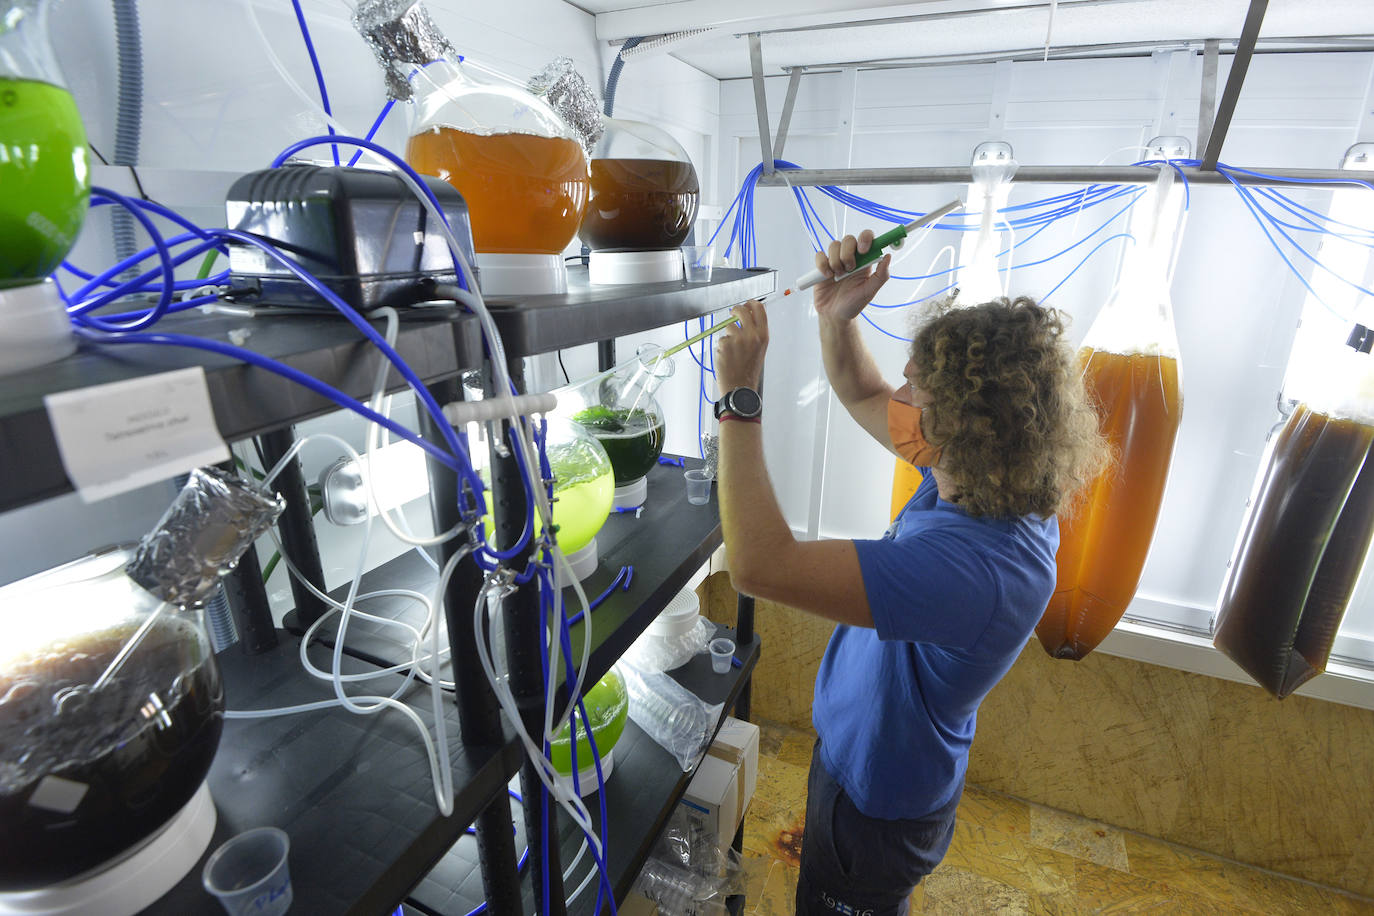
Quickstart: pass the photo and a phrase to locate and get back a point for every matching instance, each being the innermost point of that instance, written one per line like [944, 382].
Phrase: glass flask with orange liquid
[520, 168]
[644, 193]
[1308, 531]
[1130, 365]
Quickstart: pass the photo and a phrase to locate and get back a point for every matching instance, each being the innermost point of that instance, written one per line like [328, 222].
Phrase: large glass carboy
[519, 166]
[44, 188]
[644, 195]
[111, 703]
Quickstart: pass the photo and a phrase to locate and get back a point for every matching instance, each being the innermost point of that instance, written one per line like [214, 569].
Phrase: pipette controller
[893, 238]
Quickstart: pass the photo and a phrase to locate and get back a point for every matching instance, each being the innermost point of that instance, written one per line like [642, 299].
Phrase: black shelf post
[524, 633]
[478, 712]
[297, 524]
[247, 595]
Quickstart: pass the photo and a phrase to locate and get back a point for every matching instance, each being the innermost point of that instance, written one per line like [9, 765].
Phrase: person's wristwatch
[744, 403]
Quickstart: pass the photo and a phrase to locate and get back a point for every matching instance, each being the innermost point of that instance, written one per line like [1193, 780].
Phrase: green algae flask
[619, 408]
[44, 177]
[45, 188]
[583, 484]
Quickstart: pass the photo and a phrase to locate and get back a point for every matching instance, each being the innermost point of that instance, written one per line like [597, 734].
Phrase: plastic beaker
[249, 873]
[698, 486]
[696, 262]
[722, 654]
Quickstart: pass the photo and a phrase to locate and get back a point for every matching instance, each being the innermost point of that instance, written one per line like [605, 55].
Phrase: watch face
[745, 402]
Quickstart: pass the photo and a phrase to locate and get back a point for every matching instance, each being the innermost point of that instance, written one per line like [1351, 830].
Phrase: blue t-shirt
[954, 599]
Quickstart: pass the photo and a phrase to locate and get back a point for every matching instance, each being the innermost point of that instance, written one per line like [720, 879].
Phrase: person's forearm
[751, 520]
[849, 366]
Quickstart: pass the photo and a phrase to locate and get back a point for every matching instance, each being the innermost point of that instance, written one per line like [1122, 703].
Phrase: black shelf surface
[644, 787]
[247, 400]
[666, 544]
[587, 313]
[353, 792]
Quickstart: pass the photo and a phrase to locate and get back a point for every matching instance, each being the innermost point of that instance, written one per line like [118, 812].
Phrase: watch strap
[726, 404]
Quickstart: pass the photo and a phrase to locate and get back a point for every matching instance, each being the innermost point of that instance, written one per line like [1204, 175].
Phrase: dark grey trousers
[855, 865]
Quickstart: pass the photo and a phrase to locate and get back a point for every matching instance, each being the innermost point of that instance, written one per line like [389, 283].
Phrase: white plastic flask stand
[34, 329]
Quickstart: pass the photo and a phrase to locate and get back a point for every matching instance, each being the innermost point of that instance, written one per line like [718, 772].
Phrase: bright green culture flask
[45, 188]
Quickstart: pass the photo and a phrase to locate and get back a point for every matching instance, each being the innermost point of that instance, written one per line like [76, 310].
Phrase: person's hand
[740, 348]
[844, 300]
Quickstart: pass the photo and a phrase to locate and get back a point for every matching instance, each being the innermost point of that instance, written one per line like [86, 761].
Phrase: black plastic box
[361, 232]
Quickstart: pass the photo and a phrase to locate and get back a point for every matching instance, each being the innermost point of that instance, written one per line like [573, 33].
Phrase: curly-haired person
[934, 614]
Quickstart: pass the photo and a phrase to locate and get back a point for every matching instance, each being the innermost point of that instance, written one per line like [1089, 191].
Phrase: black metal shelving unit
[354, 792]
[644, 786]
[539, 324]
[666, 544]
[247, 401]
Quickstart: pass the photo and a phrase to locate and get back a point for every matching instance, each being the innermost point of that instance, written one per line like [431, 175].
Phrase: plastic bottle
[670, 714]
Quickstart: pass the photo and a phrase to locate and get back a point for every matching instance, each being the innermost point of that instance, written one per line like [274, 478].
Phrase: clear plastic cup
[698, 486]
[249, 873]
[696, 262]
[722, 655]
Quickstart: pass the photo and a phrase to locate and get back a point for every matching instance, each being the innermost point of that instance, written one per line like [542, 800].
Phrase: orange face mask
[904, 427]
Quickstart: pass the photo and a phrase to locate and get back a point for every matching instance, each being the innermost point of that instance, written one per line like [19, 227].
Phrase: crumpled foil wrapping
[710, 448]
[566, 92]
[213, 520]
[401, 35]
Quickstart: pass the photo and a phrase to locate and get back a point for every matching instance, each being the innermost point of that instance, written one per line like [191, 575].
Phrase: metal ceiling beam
[793, 83]
[936, 17]
[1207, 98]
[1315, 45]
[682, 15]
[761, 103]
[1046, 174]
[1245, 49]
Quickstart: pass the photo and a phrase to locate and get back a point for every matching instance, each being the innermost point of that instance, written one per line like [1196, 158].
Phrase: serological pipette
[893, 238]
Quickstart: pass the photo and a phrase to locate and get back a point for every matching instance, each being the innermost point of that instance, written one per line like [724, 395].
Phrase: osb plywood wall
[793, 644]
[1207, 763]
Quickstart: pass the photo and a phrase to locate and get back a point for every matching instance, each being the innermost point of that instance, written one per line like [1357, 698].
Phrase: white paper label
[125, 435]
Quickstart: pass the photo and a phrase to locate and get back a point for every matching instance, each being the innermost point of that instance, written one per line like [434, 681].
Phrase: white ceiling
[976, 27]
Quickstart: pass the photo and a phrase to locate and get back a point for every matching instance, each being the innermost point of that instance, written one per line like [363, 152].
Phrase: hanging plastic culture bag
[1308, 531]
[1130, 365]
[670, 714]
[979, 281]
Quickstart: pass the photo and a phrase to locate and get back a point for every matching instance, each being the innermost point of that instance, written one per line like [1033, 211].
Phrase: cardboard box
[719, 793]
[637, 905]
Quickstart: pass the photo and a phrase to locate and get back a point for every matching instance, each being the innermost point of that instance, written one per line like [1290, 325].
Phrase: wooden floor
[1012, 857]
